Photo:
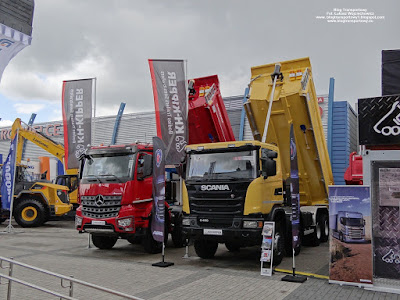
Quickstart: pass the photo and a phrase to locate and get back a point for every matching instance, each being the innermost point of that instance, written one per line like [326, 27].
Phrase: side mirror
[147, 165]
[342, 220]
[268, 167]
[363, 222]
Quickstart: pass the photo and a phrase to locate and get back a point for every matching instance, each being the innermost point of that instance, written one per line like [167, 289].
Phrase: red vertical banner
[170, 102]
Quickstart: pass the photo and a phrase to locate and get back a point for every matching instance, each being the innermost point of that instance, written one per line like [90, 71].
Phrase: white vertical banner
[11, 42]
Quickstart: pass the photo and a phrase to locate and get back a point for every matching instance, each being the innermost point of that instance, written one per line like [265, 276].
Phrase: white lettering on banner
[215, 187]
[180, 140]
[79, 122]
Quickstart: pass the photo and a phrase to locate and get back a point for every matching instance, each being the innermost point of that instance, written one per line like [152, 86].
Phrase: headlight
[186, 222]
[78, 221]
[125, 222]
[252, 224]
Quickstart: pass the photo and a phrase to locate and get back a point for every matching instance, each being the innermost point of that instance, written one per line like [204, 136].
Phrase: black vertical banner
[158, 219]
[294, 190]
[170, 101]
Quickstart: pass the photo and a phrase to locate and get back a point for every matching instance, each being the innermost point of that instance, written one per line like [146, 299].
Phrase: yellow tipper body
[294, 102]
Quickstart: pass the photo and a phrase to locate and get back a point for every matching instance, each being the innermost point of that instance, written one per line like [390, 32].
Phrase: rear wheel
[205, 249]
[323, 224]
[103, 241]
[30, 213]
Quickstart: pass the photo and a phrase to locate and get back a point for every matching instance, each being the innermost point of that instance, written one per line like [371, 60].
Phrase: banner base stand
[294, 278]
[163, 264]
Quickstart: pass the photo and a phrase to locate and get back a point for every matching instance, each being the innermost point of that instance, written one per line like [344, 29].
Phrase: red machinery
[208, 119]
[354, 173]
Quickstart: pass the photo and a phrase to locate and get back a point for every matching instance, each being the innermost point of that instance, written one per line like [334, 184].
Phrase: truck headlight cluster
[126, 223]
[186, 222]
[252, 224]
[78, 221]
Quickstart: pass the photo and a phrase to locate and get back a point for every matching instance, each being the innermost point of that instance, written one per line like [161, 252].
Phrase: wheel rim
[326, 228]
[318, 231]
[29, 213]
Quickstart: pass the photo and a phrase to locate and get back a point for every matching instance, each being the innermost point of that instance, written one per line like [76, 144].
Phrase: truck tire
[313, 239]
[205, 249]
[232, 246]
[134, 239]
[150, 245]
[323, 224]
[177, 235]
[279, 243]
[30, 213]
[103, 241]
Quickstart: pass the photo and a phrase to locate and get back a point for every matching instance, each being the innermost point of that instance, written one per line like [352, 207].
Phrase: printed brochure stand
[267, 248]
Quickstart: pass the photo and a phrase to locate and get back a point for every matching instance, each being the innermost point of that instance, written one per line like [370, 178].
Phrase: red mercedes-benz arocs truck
[115, 195]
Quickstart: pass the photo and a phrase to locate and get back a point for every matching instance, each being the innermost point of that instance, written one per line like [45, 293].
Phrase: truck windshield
[353, 221]
[109, 168]
[227, 165]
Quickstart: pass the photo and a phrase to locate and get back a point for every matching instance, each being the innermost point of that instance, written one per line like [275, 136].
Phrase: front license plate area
[212, 231]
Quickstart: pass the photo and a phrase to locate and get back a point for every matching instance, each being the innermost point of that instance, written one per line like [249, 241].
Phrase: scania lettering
[215, 187]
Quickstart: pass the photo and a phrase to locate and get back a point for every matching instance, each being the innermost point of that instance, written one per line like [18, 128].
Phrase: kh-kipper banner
[294, 191]
[350, 235]
[170, 101]
[7, 179]
[77, 98]
[11, 42]
[158, 219]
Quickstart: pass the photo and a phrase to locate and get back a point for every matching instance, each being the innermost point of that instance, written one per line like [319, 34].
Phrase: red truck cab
[115, 195]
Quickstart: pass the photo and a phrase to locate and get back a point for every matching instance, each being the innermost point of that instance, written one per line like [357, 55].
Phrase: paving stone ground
[57, 247]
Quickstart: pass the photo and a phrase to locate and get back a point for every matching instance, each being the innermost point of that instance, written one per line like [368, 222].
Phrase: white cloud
[6, 123]
[28, 108]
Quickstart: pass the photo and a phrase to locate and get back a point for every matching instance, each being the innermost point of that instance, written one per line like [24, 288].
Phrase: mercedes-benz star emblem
[99, 200]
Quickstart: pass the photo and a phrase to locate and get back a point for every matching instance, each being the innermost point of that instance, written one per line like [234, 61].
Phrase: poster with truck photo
[350, 234]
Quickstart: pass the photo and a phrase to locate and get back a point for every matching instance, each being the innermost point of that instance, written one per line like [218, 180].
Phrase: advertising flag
[11, 42]
[7, 179]
[170, 101]
[158, 219]
[294, 191]
[77, 98]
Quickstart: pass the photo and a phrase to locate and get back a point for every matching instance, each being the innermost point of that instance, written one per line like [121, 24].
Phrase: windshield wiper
[94, 176]
[112, 175]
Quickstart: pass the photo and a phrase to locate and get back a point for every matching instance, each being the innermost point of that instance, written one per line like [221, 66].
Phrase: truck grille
[100, 207]
[228, 203]
[355, 233]
[214, 206]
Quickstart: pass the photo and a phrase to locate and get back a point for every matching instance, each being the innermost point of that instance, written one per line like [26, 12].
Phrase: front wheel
[232, 246]
[279, 243]
[30, 213]
[103, 241]
[205, 249]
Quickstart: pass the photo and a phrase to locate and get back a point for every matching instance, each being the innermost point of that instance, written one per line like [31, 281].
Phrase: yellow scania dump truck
[231, 188]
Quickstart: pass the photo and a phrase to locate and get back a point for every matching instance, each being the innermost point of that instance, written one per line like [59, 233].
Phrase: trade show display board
[350, 235]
